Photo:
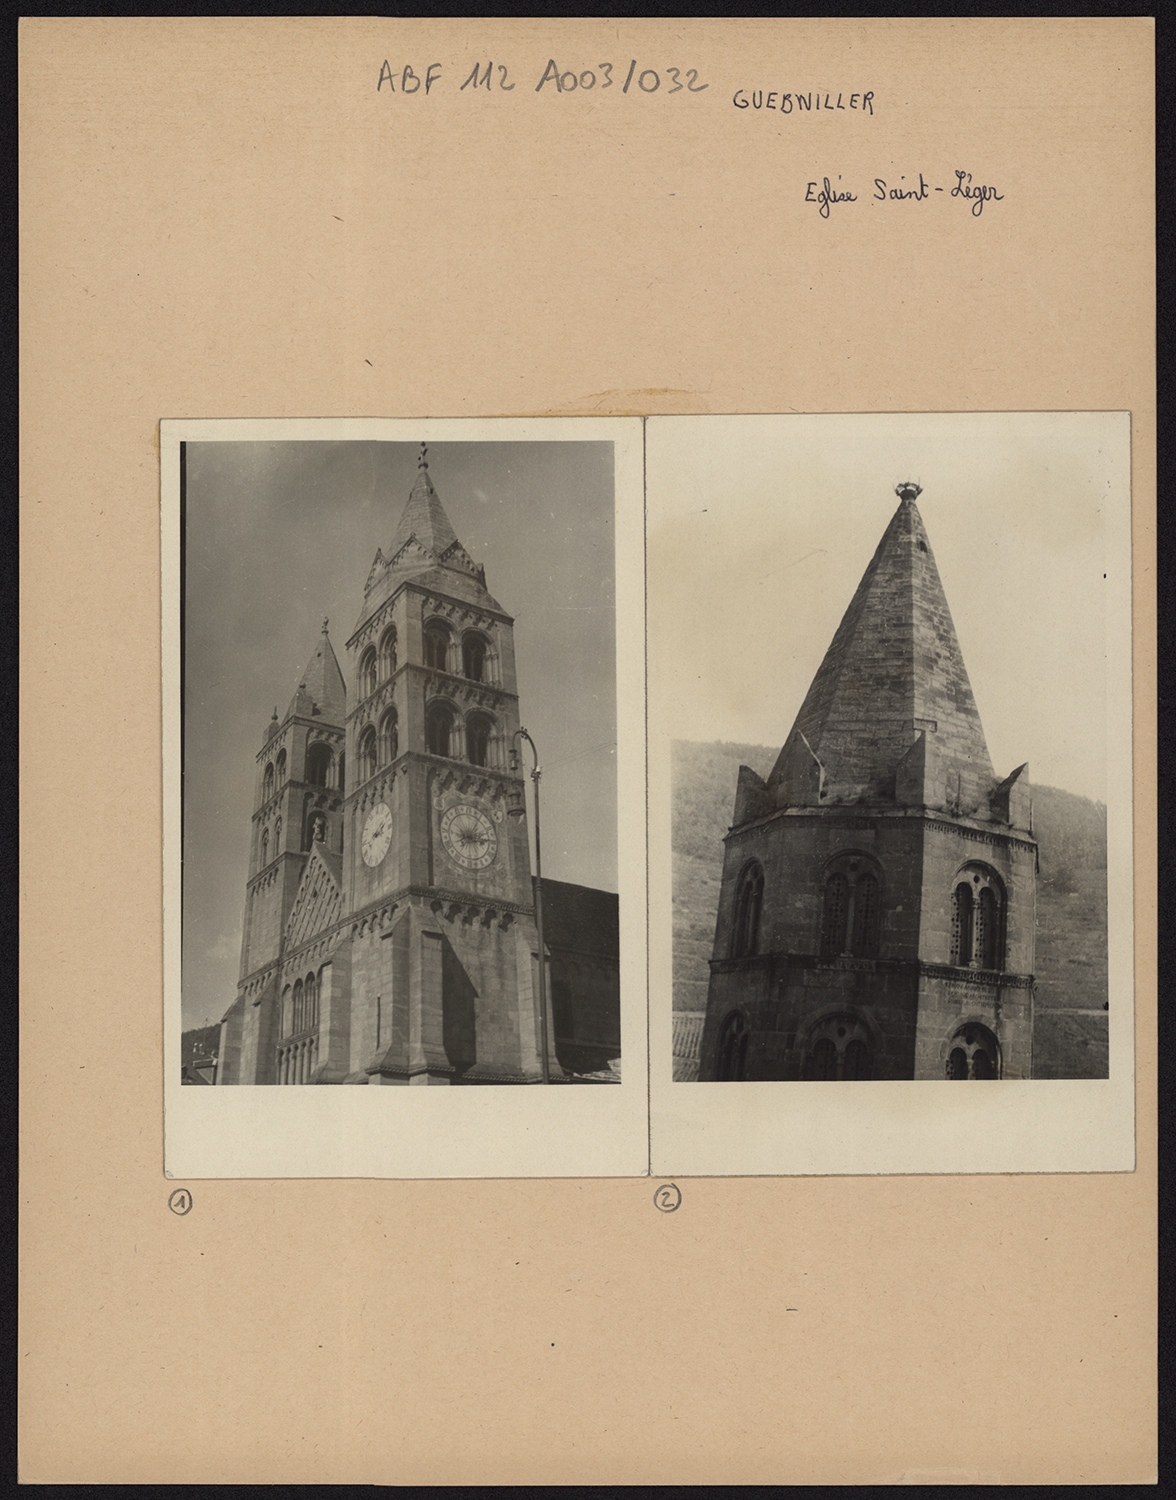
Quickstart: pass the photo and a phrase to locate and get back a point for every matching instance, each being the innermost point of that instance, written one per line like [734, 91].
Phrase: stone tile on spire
[893, 675]
[321, 690]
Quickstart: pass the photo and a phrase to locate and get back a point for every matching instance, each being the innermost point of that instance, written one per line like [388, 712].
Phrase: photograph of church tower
[393, 928]
[878, 902]
[885, 864]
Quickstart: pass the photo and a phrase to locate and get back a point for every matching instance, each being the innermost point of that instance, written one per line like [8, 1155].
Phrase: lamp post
[517, 812]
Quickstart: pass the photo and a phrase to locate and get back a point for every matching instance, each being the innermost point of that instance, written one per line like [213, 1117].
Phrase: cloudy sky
[282, 534]
[760, 528]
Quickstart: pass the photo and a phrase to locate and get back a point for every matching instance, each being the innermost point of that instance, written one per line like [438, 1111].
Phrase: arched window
[389, 738]
[388, 653]
[984, 945]
[342, 786]
[839, 1049]
[438, 728]
[851, 913]
[368, 753]
[267, 782]
[310, 1002]
[974, 1053]
[731, 1061]
[278, 837]
[264, 847]
[318, 764]
[281, 767]
[478, 731]
[298, 1005]
[437, 646]
[977, 919]
[833, 915]
[749, 900]
[473, 657]
[821, 1063]
[287, 1012]
[368, 672]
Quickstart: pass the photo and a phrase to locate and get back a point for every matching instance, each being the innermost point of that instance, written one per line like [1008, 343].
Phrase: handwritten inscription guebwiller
[800, 104]
[825, 194]
[639, 77]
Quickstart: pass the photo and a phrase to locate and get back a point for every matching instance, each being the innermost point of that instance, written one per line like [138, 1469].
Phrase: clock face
[469, 836]
[377, 834]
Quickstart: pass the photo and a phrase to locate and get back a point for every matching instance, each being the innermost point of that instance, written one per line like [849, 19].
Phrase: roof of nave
[894, 670]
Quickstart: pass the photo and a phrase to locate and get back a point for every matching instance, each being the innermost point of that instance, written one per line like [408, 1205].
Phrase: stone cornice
[773, 962]
[980, 833]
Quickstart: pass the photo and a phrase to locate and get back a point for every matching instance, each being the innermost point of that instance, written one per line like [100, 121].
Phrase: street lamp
[517, 812]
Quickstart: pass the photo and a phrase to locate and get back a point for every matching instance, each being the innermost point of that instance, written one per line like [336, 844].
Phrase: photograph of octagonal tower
[889, 663]
[878, 903]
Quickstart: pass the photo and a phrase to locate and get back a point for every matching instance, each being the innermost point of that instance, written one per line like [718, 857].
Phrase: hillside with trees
[1070, 1029]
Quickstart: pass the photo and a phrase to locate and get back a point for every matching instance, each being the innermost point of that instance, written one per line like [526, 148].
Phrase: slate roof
[580, 919]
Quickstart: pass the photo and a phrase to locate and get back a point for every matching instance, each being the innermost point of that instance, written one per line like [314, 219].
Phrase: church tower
[877, 910]
[436, 872]
[298, 811]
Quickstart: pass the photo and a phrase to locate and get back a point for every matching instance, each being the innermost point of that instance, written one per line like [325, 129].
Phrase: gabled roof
[892, 674]
[321, 691]
[318, 901]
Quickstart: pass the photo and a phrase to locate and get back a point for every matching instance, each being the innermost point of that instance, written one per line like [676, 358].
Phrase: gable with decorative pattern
[318, 904]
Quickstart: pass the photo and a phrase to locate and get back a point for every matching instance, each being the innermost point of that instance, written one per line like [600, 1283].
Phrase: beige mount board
[228, 218]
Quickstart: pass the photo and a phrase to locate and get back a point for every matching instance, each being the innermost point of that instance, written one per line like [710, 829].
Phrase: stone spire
[890, 715]
[320, 688]
[424, 520]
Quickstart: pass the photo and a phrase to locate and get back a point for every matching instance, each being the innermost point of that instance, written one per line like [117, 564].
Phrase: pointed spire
[424, 520]
[894, 672]
[321, 685]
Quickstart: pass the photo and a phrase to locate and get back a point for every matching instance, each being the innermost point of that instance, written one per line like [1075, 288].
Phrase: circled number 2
[668, 1197]
[180, 1201]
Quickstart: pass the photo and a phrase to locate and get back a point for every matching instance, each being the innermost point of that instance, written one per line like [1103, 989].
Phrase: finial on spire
[326, 622]
[275, 713]
[908, 490]
[423, 460]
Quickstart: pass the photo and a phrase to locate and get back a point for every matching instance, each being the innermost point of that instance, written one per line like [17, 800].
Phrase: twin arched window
[749, 901]
[851, 916]
[281, 767]
[389, 746]
[974, 1053]
[387, 662]
[264, 847]
[731, 1056]
[377, 666]
[319, 760]
[303, 1012]
[442, 737]
[977, 919]
[267, 782]
[478, 731]
[369, 757]
[473, 657]
[437, 645]
[839, 1050]
[438, 728]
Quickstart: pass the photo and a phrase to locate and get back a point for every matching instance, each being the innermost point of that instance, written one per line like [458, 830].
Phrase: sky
[281, 535]
[759, 530]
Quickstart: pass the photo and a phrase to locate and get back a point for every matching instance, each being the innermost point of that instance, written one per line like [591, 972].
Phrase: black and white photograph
[890, 692]
[399, 763]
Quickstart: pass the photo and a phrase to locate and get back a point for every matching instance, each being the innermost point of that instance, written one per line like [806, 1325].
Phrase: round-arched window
[978, 919]
[851, 912]
[973, 1053]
